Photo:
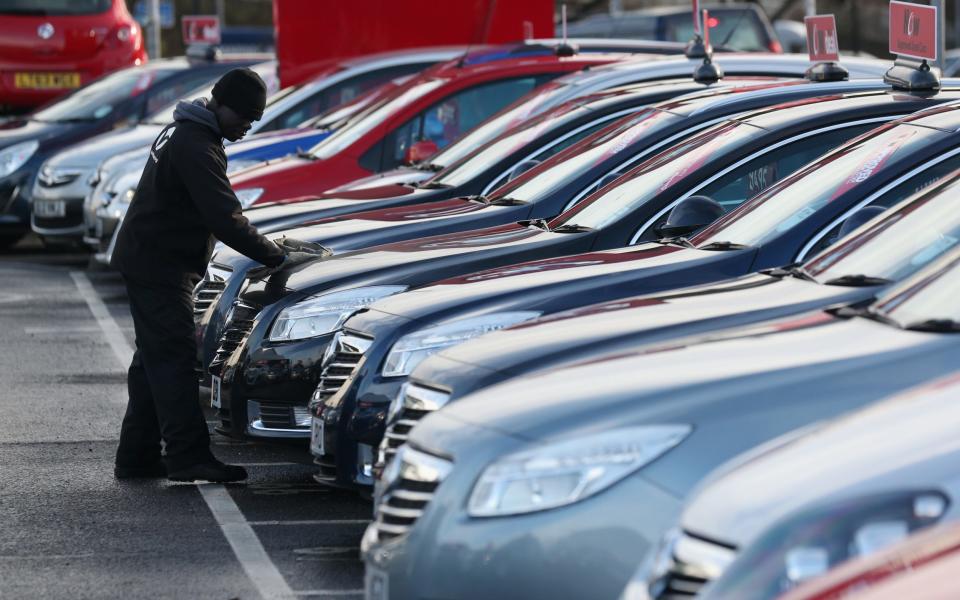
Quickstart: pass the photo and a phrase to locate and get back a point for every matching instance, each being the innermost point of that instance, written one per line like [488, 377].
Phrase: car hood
[261, 173]
[271, 137]
[907, 442]
[413, 262]
[91, 152]
[652, 316]
[388, 178]
[538, 284]
[20, 130]
[693, 378]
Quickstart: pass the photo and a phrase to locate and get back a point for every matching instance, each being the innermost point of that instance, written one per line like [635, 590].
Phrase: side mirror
[522, 168]
[691, 215]
[420, 151]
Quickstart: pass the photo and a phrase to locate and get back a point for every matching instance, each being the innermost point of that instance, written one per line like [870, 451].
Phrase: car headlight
[565, 472]
[318, 315]
[412, 349]
[239, 164]
[15, 156]
[813, 542]
[248, 196]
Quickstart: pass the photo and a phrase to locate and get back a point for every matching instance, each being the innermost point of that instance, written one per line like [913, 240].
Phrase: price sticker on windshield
[822, 45]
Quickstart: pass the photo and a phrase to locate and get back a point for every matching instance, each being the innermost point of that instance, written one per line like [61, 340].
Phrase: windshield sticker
[102, 112]
[874, 162]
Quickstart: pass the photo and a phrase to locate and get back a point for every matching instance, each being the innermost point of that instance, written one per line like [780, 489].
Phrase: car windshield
[737, 28]
[512, 140]
[794, 199]
[655, 176]
[97, 100]
[165, 114]
[580, 159]
[372, 117]
[532, 104]
[54, 7]
[927, 300]
[910, 236]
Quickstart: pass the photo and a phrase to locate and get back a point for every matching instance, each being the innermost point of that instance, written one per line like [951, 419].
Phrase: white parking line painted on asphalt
[245, 543]
[314, 522]
[329, 593]
[114, 334]
[243, 540]
[65, 330]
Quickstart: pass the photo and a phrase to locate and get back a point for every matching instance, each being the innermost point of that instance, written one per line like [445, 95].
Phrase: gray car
[558, 484]
[770, 520]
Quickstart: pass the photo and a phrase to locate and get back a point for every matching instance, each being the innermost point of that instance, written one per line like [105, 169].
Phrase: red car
[420, 117]
[50, 47]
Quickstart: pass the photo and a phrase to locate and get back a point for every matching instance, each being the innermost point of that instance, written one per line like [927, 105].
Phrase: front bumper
[586, 550]
[71, 225]
[265, 387]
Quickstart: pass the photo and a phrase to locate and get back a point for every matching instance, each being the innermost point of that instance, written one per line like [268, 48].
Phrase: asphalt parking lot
[70, 530]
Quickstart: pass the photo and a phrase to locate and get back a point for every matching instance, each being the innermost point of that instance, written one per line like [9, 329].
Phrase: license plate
[214, 391]
[316, 436]
[46, 81]
[50, 208]
[375, 584]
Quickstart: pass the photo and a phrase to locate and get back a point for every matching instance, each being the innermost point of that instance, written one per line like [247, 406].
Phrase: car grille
[284, 416]
[237, 328]
[346, 351]
[693, 563]
[209, 289]
[417, 402]
[409, 487]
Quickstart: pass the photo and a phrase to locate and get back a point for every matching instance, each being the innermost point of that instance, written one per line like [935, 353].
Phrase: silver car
[558, 484]
[771, 520]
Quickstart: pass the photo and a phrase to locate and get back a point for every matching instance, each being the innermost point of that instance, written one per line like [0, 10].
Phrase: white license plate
[375, 584]
[50, 208]
[214, 391]
[316, 436]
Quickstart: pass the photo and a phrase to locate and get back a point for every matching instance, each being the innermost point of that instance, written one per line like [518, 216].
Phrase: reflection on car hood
[649, 317]
[394, 177]
[907, 442]
[89, 153]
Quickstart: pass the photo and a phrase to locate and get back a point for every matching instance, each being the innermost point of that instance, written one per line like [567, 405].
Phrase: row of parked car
[583, 325]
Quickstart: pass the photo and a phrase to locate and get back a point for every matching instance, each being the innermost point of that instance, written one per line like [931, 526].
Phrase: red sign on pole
[201, 29]
[697, 30]
[913, 30]
[822, 45]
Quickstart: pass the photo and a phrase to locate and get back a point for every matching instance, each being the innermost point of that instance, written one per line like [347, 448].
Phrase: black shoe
[150, 471]
[209, 471]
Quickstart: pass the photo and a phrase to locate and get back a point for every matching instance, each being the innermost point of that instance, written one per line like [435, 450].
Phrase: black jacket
[182, 202]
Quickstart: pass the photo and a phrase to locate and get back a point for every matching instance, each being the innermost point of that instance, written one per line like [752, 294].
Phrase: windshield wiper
[857, 280]
[791, 271]
[867, 312]
[678, 241]
[571, 228]
[506, 201]
[428, 166]
[538, 223]
[307, 155]
[432, 185]
[935, 325]
[723, 246]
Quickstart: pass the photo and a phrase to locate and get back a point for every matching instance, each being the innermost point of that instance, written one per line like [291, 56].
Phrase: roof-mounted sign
[822, 44]
[201, 29]
[913, 30]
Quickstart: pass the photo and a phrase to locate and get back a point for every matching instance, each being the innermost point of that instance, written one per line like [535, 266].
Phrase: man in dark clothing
[184, 201]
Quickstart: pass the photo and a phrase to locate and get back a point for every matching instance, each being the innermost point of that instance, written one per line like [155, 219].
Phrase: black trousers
[164, 396]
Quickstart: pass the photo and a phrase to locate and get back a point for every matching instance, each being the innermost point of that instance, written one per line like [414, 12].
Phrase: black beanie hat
[243, 91]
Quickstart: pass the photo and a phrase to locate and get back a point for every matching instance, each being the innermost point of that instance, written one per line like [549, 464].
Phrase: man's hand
[292, 259]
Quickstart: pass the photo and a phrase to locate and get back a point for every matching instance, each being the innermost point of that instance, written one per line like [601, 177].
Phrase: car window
[930, 300]
[54, 7]
[179, 87]
[907, 238]
[335, 95]
[796, 198]
[735, 28]
[98, 99]
[449, 119]
[757, 175]
[525, 134]
[619, 139]
[896, 195]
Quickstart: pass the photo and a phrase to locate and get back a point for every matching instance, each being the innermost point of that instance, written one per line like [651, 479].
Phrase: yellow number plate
[47, 81]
